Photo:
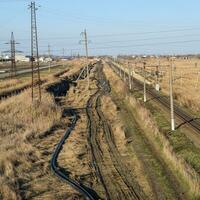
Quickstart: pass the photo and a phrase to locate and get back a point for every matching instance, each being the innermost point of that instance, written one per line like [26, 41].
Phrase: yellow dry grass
[20, 122]
[159, 141]
[163, 146]
[186, 78]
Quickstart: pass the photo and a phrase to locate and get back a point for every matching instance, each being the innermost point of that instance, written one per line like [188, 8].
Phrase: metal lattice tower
[13, 63]
[35, 65]
[85, 41]
[12, 55]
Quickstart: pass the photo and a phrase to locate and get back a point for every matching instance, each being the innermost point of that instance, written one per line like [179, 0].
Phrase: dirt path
[161, 179]
[109, 166]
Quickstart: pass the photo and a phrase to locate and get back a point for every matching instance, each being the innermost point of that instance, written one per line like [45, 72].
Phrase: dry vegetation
[135, 166]
[10, 85]
[18, 128]
[190, 178]
[186, 78]
[28, 138]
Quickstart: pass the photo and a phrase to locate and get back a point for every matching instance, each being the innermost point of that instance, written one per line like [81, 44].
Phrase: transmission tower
[12, 55]
[35, 65]
[85, 41]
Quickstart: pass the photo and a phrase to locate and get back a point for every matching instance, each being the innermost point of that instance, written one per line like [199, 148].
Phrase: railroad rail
[184, 116]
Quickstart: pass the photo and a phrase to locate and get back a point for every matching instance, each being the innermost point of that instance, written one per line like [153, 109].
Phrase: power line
[115, 34]
[148, 44]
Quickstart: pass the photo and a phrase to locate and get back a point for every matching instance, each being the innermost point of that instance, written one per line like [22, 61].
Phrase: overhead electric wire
[137, 45]
[114, 34]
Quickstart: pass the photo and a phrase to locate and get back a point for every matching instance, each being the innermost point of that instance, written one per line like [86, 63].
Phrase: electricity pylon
[85, 41]
[35, 65]
[12, 55]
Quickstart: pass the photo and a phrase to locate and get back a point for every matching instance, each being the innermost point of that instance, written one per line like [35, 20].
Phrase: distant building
[19, 57]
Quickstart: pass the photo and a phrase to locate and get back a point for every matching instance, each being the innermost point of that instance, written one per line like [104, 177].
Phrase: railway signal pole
[85, 41]
[144, 74]
[35, 65]
[171, 95]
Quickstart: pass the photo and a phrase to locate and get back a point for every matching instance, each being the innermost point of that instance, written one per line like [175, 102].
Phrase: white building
[19, 57]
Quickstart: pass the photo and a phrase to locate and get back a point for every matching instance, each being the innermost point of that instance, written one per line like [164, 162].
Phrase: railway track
[107, 161]
[7, 94]
[17, 91]
[185, 117]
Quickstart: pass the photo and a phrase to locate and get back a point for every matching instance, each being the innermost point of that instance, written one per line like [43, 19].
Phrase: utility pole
[85, 41]
[157, 76]
[49, 54]
[124, 75]
[144, 74]
[12, 57]
[72, 54]
[181, 79]
[171, 95]
[129, 76]
[35, 65]
[197, 83]
[63, 53]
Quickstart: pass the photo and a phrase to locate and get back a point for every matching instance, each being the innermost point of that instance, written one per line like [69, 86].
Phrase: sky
[113, 26]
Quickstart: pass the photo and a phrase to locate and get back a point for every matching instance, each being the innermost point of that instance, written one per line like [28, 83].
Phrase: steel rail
[163, 100]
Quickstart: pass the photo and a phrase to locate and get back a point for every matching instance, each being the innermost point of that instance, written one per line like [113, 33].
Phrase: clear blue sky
[114, 26]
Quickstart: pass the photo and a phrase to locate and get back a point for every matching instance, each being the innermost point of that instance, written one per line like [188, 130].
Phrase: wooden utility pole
[144, 74]
[171, 95]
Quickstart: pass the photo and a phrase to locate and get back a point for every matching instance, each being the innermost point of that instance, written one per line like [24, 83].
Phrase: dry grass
[130, 159]
[25, 147]
[16, 133]
[186, 78]
[186, 87]
[159, 141]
